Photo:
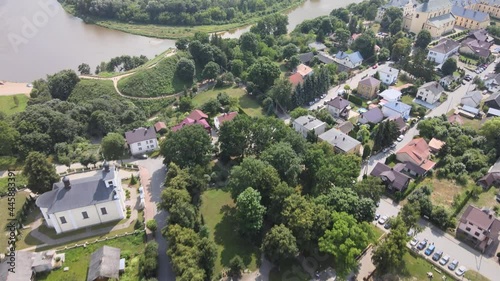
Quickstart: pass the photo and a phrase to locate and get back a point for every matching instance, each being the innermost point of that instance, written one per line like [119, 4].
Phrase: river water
[37, 37]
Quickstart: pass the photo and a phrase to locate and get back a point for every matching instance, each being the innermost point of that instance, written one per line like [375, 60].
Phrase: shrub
[354, 99]
[151, 225]
[236, 265]
[133, 180]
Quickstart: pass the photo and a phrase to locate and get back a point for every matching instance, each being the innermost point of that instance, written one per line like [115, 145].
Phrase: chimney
[67, 184]
[105, 165]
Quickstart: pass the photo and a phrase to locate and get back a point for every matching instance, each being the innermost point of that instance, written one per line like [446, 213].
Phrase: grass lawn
[469, 60]
[8, 104]
[486, 199]
[78, 259]
[472, 123]
[20, 181]
[416, 268]
[246, 102]
[375, 27]
[443, 190]
[474, 275]
[218, 211]
[4, 205]
[407, 99]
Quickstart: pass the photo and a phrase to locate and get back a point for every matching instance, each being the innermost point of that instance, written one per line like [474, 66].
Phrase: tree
[370, 187]
[395, 26]
[84, 69]
[263, 73]
[289, 50]
[236, 265]
[282, 157]
[149, 260]
[345, 241]
[401, 48]
[208, 256]
[383, 55]
[250, 212]
[185, 69]
[170, 196]
[62, 83]
[40, 173]
[410, 214]
[491, 131]
[188, 147]
[113, 146]
[440, 216]
[152, 225]
[279, 244]
[423, 39]
[211, 70]
[342, 35]
[365, 44]
[249, 42]
[183, 214]
[237, 67]
[388, 255]
[367, 151]
[181, 44]
[449, 66]
[385, 134]
[8, 138]
[253, 173]
[185, 104]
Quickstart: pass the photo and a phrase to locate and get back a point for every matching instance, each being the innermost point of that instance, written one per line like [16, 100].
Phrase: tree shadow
[226, 234]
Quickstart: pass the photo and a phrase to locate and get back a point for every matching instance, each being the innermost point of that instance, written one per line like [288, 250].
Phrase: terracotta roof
[226, 117]
[455, 118]
[428, 165]
[417, 149]
[188, 121]
[295, 79]
[197, 115]
[303, 70]
[436, 144]
[160, 126]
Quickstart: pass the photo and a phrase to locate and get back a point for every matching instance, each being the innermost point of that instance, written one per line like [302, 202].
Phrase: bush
[236, 265]
[354, 99]
[151, 225]
[138, 225]
[133, 180]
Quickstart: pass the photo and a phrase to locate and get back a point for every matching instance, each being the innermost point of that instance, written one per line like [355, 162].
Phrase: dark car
[387, 225]
[422, 244]
[141, 156]
[437, 255]
[430, 250]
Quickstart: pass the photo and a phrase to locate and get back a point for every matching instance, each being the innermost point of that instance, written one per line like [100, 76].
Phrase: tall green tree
[279, 244]
[84, 69]
[281, 93]
[424, 37]
[113, 146]
[40, 173]
[8, 138]
[250, 212]
[208, 256]
[185, 70]
[491, 131]
[388, 254]
[211, 70]
[62, 83]
[188, 147]
[449, 66]
[263, 73]
[282, 157]
[370, 187]
[410, 214]
[249, 42]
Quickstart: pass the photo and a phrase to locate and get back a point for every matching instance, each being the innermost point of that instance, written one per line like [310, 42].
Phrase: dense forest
[176, 12]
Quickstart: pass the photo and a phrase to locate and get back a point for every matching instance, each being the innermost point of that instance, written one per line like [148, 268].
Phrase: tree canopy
[188, 147]
[40, 173]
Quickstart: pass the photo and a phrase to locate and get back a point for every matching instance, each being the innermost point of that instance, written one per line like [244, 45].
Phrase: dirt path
[11, 88]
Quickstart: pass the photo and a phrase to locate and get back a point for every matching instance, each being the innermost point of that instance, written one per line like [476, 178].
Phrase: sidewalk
[149, 206]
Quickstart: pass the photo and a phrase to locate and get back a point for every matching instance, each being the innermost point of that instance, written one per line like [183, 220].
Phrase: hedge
[354, 99]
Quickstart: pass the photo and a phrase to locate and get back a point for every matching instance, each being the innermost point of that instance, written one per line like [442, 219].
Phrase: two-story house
[492, 82]
[433, 15]
[79, 203]
[391, 95]
[368, 87]
[373, 116]
[476, 48]
[341, 143]
[470, 19]
[417, 151]
[443, 50]
[141, 140]
[493, 101]
[393, 179]
[196, 117]
[388, 75]
[430, 92]
[492, 178]
[338, 107]
[396, 108]
[307, 123]
[479, 227]
[348, 62]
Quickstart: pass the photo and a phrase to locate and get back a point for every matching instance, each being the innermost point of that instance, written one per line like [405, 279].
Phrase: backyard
[218, 211]
[9, 106]
[443, 190]
[247, 103]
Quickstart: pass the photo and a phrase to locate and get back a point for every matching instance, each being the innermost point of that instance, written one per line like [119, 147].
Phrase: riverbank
[177, 32]
[13, 88]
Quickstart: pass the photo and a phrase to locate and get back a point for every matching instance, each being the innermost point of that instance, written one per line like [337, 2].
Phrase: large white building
[79, 203]
[141, 140]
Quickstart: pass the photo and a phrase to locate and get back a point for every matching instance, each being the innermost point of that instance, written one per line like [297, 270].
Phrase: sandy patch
[10, 88]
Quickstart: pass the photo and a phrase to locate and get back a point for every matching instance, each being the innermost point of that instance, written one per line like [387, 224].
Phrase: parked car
[141, 156]
[444, 260]
[400, 138]
[411, 232]
[464, 82]
[377, 216]
[393, 145]
[453, 265]
[422, 244]
[437, 255]
[385, 149]
[430, 250]
[414, 242]
[375, 66]
[461, 270]
[387, 225]
[383, 220]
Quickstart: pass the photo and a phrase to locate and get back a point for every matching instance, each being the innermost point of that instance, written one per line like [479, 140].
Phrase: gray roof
[105, 262]
[397, 106]
[325, 58]
[493, 101]
[338, 102]
[464, 3]
[470, 109]
[481, 35]
[83, 192]
[317, 45]
[414, 167]
[493, 112]
[391, 94]
[373, 115]
[475, 96]
[441, 20]
[470, 14]
[309, 122]
[399, 121]
[480, 48]
[445, 45]
[355, 57]
[370, 81]
[398, 3]
[496, 167]
[140, 134]
[23, 269]
[397, 179]
[339, 140]
[306, 57]
[433, 87]
[345, 127]
[433, 5]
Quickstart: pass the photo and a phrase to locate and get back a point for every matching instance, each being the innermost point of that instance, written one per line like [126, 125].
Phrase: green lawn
[4, 205]
[407, 99]
[20, 181]
[416, 268]
[78, 259]
[218, 211]
[474, 275]
[8, 104]
[486, 199]
[246, 102]
[10, 163]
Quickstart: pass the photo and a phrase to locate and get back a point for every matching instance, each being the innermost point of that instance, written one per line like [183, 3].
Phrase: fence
[97, 167]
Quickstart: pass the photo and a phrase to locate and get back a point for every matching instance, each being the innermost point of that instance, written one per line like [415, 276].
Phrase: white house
[443, 50]
[141, 140]
[338, 107]
[388, 75]
[342, 143]
[348, 61]
[430, 92]
[396, 108]
[391, 95]
[305, 124]
[472, 99]
[83, 202]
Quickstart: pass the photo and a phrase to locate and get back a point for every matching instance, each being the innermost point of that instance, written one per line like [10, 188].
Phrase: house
[388, 75]
[304, 124]
[443, 50]
[492, 82]
[493, 101]
[196, 117]
[391, 95]
[469, 111]
[224, 117]
[295, 79]
[28, 264]
[104, 264]
[84, 202]
[400, 123]
[373, 116]
[479, 227]
[430, 92]
[141, 140]
[318, 46]
[474, 47]
[492, 178]
[433, 15]
[338, 107]
[446, 81]
[481, 35]
[325, 58]
[470, 19]
[304, 70]
[417, 151]
[341, 142]
[393, 179]
[306, 57]
[160, 127]
[396, 108]
[345, 127]
[347, 61]
[456, 119]
[472, 99]
[411, 169]
[493, 112]
[435, 145]
[368, 87]
[405, 5]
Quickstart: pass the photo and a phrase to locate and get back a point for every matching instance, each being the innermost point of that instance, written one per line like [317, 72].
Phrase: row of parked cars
[383, 220]
[481, 68]
[437, 255]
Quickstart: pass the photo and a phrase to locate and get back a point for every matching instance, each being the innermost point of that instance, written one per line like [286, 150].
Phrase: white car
[414, 242]
[444, 260]
[461, 270]
[382, 220]
[400, 138]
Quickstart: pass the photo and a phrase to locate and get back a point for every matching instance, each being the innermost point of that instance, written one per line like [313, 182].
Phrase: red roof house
[196, 117]
[295, 79]
[159, 126]
[417, 152]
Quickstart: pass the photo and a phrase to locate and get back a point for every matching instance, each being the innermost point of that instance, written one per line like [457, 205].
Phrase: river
[37, 37]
